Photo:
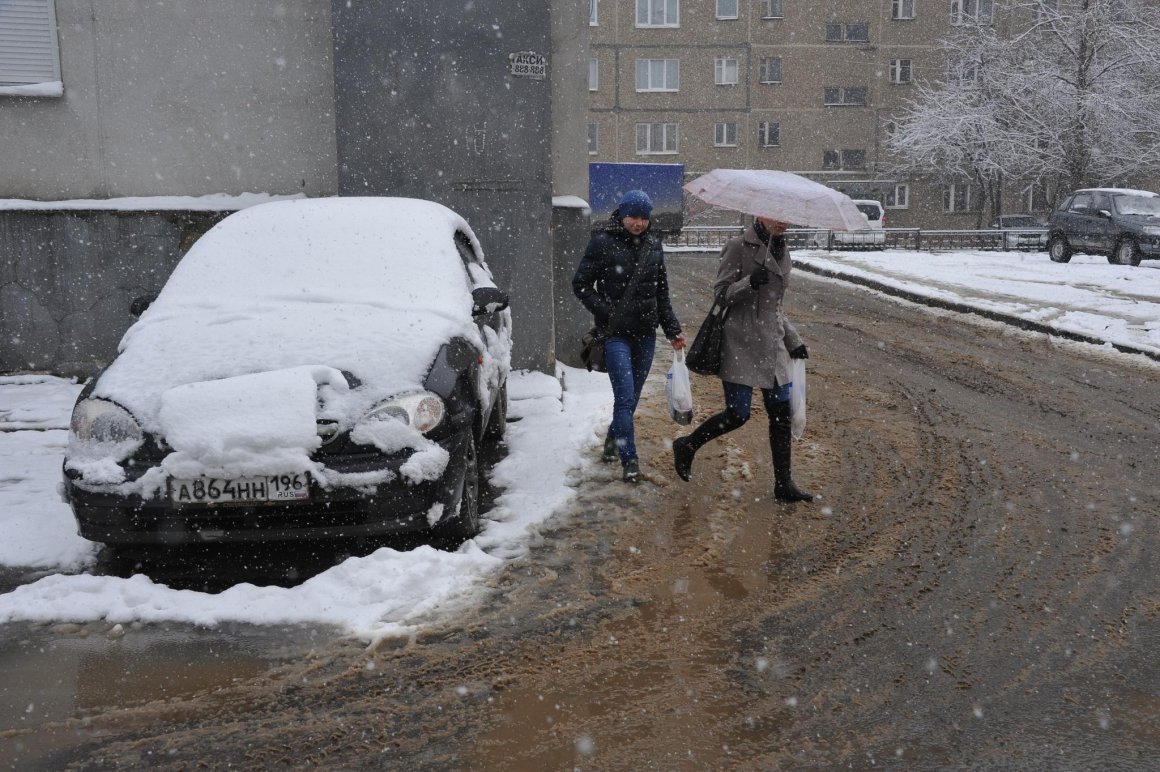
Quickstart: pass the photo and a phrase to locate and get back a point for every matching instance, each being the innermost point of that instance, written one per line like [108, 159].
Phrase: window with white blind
[593, 74]
[727, 9]
[657, 13]
[29, 57]
[902, 9]
[725, 135]
[770, 69]
[656, 138]
[771, 9]
[898, 197]
[658, 74]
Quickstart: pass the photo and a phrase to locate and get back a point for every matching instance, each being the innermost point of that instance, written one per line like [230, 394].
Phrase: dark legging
[738, 400]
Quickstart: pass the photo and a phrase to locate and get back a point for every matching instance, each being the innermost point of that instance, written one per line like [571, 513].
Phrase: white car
[322, 368]
[873, 237]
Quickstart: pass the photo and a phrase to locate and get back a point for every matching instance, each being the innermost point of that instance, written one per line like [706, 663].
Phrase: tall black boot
[784, 488]
[684, 448]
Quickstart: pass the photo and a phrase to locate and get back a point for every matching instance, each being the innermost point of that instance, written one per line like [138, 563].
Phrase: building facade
[802, 86]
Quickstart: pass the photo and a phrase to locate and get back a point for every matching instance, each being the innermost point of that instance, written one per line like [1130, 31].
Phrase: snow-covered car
[874, 237]
[1021, 231]
[322, 368]
[1121, 223]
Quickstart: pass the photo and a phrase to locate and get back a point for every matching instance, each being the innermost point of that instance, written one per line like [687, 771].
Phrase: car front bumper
[329, 513]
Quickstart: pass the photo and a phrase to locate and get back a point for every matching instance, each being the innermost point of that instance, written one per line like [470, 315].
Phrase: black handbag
[592, 343]
[704, 355]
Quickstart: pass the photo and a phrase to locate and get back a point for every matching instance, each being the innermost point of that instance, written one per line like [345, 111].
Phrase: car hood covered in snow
[372, 287]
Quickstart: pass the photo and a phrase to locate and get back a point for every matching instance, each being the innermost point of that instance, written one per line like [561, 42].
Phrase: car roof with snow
[1121, 191]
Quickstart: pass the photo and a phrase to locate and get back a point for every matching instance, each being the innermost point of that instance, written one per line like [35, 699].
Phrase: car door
[494, 327]
[1102, 235]
[1080, 221]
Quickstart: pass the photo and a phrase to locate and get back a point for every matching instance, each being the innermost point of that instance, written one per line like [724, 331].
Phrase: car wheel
[1058, 249]
[497, 421]
[1127, 251]
[452, 531]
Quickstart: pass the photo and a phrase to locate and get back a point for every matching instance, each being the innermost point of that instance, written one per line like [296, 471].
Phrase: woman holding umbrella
[758, 343]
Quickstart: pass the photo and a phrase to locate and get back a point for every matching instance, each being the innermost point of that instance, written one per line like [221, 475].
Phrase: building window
[593, 138]
[593, 15]
[29, 56]
[725, 72]
[899, 9]
[960, 198]
[593, 74]
[657, 13]
[769, 133]
[835, 160]
[725, 135]
[771, 9]
[727, 9]
[656, 138]
[658, 74]
[833, 96]
[769, 70]
[898, 197]
[858, 32]
[901, 70]
[971, 11]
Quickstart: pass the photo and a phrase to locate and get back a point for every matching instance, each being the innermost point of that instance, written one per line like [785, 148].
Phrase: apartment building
[802, 85]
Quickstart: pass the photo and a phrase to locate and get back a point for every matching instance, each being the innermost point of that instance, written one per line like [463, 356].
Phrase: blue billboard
[608, 182]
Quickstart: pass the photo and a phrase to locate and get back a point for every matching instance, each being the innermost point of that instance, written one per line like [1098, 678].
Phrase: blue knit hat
[635, 203]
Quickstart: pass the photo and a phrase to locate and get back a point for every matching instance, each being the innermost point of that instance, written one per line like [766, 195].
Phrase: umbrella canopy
[780, 196]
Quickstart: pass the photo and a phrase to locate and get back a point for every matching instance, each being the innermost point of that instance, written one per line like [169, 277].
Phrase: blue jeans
[739, 398]
[628, 361]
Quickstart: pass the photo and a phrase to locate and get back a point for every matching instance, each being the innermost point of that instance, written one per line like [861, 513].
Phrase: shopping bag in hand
[797, 399]
[679, 391]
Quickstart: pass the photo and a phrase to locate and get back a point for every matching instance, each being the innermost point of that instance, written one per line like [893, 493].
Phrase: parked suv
[1121, 223]
[873, 237]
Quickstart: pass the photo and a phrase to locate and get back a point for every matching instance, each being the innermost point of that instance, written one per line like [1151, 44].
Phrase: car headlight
[421, 410]
[98, 422]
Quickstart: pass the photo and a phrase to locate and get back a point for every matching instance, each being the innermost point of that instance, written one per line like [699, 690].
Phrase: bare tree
[1059, 93]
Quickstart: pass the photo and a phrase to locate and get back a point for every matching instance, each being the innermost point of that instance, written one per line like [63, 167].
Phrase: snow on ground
[558, 421]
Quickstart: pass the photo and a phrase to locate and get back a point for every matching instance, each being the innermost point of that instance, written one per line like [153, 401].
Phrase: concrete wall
[172, 97]
[67, 279]
[426, 107]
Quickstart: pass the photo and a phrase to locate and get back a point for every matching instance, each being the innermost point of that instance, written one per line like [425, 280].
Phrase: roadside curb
[963, 308]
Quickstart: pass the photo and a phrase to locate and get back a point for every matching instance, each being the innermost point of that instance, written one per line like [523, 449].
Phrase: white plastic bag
[797, 399]
[679, 391]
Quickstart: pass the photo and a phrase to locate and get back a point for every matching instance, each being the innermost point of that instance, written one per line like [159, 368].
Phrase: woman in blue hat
[615, 254]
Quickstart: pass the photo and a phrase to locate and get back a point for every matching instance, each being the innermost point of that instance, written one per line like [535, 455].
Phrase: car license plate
[212, 490]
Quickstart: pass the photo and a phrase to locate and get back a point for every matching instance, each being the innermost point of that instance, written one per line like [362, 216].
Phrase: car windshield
[871, 211]
[1146, 205]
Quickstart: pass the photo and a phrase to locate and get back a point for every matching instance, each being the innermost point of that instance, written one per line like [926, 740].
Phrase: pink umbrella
[780, 196]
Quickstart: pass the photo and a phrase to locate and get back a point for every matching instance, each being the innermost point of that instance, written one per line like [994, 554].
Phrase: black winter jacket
[605, 273]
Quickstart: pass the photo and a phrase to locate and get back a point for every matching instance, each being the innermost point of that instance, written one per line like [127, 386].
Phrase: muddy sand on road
[976, 587]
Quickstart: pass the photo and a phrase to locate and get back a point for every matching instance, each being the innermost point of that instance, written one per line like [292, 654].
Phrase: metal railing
[1012, 239]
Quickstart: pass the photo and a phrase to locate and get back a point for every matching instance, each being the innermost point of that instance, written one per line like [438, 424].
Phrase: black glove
[759, 276]
[800, 352]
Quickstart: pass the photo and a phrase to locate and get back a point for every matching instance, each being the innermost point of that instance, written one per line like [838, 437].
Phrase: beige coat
[758, 337]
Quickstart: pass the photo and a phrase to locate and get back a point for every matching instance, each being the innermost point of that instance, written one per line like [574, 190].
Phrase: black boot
[784, 488]
[684, 448]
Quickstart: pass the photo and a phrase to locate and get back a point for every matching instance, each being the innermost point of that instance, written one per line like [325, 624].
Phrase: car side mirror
[140, 304]
[1105, 214]
[488, 300]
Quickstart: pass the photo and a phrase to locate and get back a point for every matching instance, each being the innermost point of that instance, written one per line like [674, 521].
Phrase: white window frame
[765, 65]
[772, 9]
[670, 136]
[665, 68]
[725, 134]
[726, 13]
[30, 52]
[658, 13]
[593, 74]
[593, 139]
[972, 12]
[952, 191]
[725, 71]
[767, 130]
[902, 10]
[844, 32]
[898, 197]
[593, 13]
[901, 71]
[844, 93]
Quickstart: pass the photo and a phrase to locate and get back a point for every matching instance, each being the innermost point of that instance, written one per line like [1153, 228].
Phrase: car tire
[1058, 249]
[452, 531]
[497, 422]
[1127, 252]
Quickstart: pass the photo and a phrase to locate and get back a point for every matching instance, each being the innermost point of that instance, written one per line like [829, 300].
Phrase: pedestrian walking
[758, 343]
[622, 280]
